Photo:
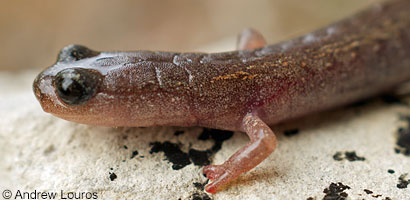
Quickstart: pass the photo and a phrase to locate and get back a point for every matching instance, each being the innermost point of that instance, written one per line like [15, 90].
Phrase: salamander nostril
[75, 52]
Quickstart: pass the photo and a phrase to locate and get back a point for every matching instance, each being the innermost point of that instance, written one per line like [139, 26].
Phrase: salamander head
[112, 88]
[67, 88]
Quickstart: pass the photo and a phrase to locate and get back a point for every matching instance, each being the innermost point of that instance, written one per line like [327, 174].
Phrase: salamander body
[243, 90]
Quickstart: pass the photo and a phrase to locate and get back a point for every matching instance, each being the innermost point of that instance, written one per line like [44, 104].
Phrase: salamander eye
[75, 52]
[76, 86]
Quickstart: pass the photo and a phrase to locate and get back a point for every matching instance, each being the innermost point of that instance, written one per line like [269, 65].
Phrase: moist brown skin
[353, 59]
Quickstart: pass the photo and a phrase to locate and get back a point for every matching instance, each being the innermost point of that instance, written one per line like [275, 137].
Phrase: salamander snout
[36, 89]
[43, 90]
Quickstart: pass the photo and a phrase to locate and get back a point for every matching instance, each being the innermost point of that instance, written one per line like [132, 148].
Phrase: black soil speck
[180, 159]
[173, 154]
[338, 156]
[403, 183]
[178, 133]
[124, 137]
[390, 171]
[336, 192]
[310, 198]
[125, 147]
[200, 186]
[134, 153]
[351, 156]
[368, 191]
[348, 155]
[203, 196]
[200, 158]
[113, 176]
[377, 195]
[219, 136]
[291, 132]
[403, 141]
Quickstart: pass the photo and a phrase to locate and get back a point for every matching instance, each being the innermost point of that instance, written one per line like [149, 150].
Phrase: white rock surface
[43, 153]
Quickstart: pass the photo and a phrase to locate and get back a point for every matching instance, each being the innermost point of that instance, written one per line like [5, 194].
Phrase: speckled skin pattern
[355, 58]
[243, 90]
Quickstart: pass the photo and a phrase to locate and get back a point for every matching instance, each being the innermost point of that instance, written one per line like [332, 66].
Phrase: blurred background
[32, 32]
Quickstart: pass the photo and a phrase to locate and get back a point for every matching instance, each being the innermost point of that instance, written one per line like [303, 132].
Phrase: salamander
[244, 90]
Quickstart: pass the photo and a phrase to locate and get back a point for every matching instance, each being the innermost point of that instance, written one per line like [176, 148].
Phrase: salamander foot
[262, 144]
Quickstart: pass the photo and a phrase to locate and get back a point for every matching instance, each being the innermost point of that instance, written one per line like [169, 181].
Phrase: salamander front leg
[250, 39]
[262, 144]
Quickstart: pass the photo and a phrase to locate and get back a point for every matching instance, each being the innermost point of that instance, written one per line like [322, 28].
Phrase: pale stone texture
[44, 153]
